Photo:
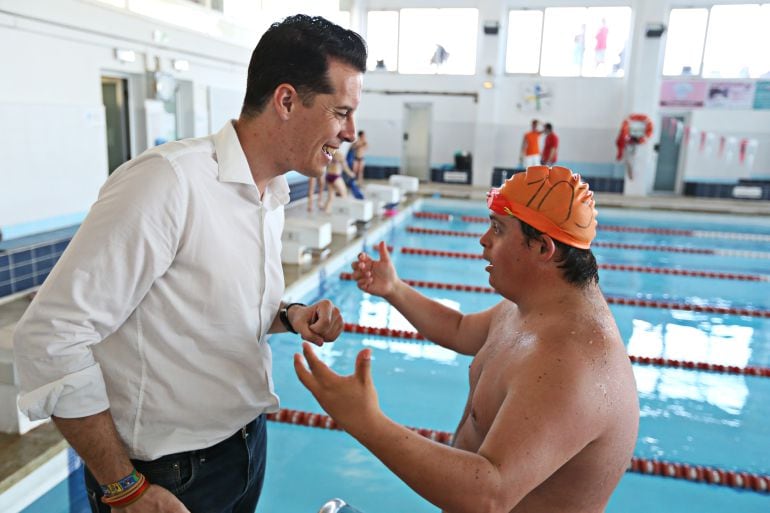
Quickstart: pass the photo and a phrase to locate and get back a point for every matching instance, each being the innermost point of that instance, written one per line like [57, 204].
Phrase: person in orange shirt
[530, 147]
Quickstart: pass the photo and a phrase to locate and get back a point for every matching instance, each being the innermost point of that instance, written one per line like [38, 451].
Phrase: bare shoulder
[578, 360]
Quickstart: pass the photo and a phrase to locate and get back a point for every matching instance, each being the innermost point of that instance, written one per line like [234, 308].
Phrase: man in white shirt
[147, 344]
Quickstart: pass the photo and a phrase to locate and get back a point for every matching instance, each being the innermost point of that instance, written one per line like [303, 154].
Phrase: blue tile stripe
[15, 231]
[27, 267]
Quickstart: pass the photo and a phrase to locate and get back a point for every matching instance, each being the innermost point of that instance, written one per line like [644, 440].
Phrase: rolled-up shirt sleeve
[75, 395]
[128, 239]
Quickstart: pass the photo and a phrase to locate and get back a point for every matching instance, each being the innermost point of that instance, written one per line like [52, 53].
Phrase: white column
[489, 68]
[644, 79]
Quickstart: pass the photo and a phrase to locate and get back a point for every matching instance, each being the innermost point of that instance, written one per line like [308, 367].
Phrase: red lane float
[319, 420]
[433, 215]
[613, 300]
[751, 370]
[704, 234]
[613, 267]
[617, 245]
[701, 474]
[696, 473]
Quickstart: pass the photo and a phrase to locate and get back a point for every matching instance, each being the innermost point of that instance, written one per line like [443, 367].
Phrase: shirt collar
[233, 167]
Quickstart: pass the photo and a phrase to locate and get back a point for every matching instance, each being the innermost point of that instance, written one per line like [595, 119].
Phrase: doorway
[416, 149]
[115, 99]
[669, 149]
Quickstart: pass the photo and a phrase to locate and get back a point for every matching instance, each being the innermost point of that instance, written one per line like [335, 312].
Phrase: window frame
[580, 75]
[709, 8]
[399, 35]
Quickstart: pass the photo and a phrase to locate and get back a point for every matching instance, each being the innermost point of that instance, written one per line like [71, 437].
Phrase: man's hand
[155, 500]
[350, 400]
[376, 277]
[317, 323]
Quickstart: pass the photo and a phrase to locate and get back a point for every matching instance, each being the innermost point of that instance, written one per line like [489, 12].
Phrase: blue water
[687, 416]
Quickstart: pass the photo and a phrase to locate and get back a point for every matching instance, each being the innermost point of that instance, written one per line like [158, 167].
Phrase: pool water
[688, 416]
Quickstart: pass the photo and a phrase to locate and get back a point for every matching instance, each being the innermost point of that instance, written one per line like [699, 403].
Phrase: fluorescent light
[181, 64]
[125, 55]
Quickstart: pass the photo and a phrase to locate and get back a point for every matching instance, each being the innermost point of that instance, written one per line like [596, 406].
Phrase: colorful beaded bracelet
[121, 485]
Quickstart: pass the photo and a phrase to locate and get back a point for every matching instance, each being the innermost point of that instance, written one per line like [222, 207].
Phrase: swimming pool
[694, 417]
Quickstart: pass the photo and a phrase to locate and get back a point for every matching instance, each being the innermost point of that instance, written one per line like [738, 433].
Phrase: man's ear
[285, 99]
[546, 247]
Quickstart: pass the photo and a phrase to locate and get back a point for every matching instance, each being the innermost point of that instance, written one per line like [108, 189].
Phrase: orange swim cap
[553, 200]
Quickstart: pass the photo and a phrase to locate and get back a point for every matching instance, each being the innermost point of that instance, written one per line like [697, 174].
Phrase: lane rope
[674, 470]
[749, 370]
[616, 245]
[612, 300]
[705, 234]
[614, 267]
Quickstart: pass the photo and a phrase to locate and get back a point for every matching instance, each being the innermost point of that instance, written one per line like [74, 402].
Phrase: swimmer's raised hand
[376, 277]
[350, 400]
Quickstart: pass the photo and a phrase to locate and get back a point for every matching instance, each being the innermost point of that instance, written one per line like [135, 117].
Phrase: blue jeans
[225, 478]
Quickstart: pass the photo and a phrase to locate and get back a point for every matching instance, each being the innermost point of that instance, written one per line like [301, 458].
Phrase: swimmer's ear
[546, 247]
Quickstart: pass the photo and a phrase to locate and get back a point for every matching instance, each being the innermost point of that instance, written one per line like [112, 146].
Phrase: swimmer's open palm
[376, 277]
[350, 400]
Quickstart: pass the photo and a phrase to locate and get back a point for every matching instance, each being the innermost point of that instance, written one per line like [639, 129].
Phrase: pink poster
[730, 95]
[679, 93]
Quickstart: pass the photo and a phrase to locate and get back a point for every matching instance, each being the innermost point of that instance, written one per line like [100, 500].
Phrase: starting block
[382, 195]
[405, 184]
[355, 209]
[302, 237]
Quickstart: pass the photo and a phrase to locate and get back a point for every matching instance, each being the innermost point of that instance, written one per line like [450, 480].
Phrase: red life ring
[625, 137]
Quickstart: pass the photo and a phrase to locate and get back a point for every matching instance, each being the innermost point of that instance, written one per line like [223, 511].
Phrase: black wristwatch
[283, 314]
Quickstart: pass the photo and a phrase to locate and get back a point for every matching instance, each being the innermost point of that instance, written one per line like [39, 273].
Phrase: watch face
[165, 86]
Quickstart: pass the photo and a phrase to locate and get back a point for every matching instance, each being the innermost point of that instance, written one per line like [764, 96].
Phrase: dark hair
[549, 127]
[360, 133]
[297, 51]
[578, 265]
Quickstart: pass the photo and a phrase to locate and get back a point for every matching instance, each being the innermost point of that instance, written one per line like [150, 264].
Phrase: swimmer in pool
[552, 413]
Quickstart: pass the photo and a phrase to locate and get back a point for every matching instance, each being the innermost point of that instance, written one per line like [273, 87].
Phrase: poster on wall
[762, 95]
[678, 93]
[535, 97]
[730, 95]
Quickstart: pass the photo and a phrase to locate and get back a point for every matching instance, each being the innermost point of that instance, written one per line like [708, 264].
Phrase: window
[737, 42]
[564, 41]
[382, 40]
[439, 41]
[525, 30]
[684, 41]
[733, 40]
[573, 41]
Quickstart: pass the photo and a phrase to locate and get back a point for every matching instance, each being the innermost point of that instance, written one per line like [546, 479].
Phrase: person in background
[359, 148]
[147, 344]
[335, 184]
[530, 147]
[313, 190]
[600, 50]
[550, 146]
[552, 414]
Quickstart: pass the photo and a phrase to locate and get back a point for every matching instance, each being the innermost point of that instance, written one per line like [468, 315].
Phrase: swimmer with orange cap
[551, 418]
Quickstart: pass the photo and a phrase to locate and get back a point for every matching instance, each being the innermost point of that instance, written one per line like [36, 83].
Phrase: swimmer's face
[506, 250]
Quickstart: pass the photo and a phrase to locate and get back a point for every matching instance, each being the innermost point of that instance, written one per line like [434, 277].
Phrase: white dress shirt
[159, 307]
